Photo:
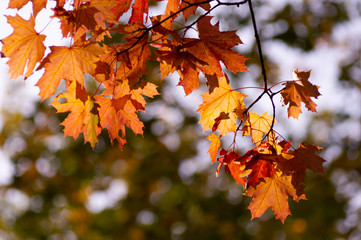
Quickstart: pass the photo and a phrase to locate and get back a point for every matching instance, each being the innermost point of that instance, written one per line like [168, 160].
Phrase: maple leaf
[297, 91]
[257, 126]
[121, 7]
[222, 99]
[214, 146]
[260, 169]
[215, 46]
[234, 166]
[81, 117]
[261, 162]
[24, 46]
[68, 63]
[274, 193]
[110, 10]
[117, 113]
[304, 157]
[139, 8]
[126, 61]
[87, 16]
[192, 10]
[135, 95]
[38, 5]
[133, 62]
[174, 55]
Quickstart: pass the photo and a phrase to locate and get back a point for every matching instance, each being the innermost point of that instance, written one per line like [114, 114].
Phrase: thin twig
[258, 44]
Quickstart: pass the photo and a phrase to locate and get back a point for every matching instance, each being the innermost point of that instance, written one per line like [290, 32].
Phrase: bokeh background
[162, 185]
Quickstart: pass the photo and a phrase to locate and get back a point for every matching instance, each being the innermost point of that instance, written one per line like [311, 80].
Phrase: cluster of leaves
[271, 172]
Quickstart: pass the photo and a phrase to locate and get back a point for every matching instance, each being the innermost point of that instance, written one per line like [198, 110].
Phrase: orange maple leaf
[69, 63]
[215, 46]
[174, 56]
[110, 10]
[133, 65]
[136, 95]
[139, 8]
[297, 91]
[222, 99]
[261, 161]
[234, 165]
[24, 46]
[192, 10]
[38, 5]
[91, 15]
[120, 8]
[117, 113]
[214, 146]
[257, 126]
[126, 61]
[81, 117]
[274, 193]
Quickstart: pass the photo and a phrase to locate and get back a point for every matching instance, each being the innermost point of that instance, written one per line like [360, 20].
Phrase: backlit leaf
[81, 118]
[69, 63]
[274, 193]
[24, 46]
[222, 99]
[257, 126]
[297, 91]
[213, 148]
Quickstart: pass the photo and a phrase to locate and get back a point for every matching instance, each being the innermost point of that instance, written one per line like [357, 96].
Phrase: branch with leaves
[270, 173]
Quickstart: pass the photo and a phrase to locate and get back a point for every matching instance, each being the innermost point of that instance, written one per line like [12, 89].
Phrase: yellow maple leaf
[222, 99]
[257, 126]
[24, 46]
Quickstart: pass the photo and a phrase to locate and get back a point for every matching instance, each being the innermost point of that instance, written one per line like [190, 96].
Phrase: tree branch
[258, 44]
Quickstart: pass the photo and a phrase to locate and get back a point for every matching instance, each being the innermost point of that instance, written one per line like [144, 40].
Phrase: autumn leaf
[24, 47]
[274, 193]
[192, 10]
[215, 46]
[111, 10]
[38, 5]
[91, 16]
[214, 146]
[257, 126]
[222, 99]
[69, 63]
[260, 169]
[174, 56]
[304, 157]
[261, 161]
[297, 91]
[132, 66]
[120, 8]
[136, 95]
[139, 8]
[115, 114]
[233, 165]
[81, 117]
